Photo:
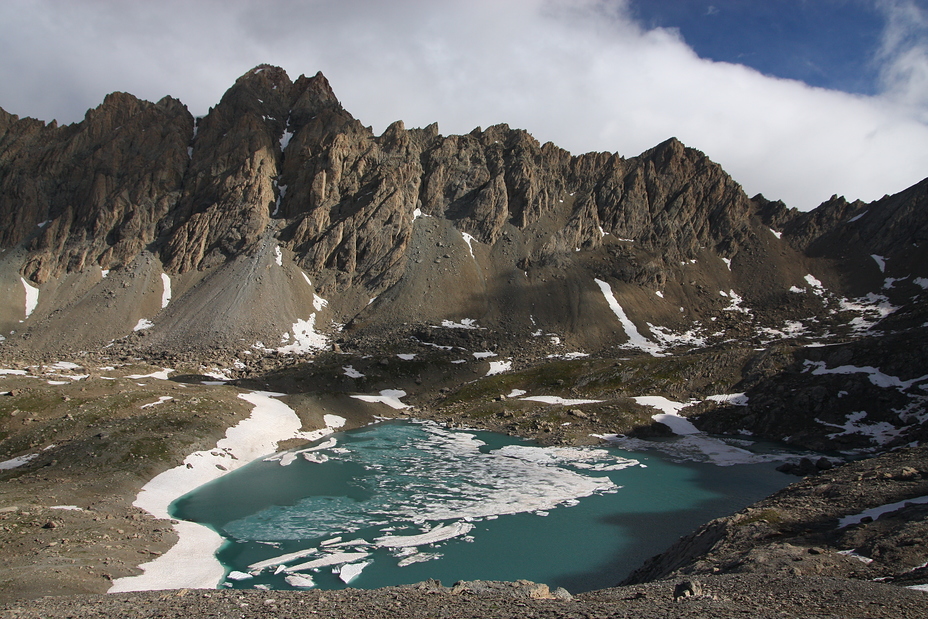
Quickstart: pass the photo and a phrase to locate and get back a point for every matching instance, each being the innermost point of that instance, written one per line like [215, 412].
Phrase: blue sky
[797, 99]
[827, 43]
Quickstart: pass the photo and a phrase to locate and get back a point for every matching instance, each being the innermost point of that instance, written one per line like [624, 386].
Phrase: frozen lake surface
[404, 501]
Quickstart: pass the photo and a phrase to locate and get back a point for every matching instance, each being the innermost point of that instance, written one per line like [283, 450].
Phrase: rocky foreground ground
[721, 597]
[68, 527]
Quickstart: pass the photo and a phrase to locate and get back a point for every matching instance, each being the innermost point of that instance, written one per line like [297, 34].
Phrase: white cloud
[903, 56]
[579, 73]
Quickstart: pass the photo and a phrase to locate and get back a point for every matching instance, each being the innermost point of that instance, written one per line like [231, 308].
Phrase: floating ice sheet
[422, 473]
[438, 534]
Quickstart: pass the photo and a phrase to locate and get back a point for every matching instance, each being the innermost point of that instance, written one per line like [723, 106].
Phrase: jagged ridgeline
[279, 221]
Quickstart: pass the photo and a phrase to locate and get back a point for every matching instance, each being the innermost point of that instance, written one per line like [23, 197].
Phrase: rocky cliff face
[502, 230]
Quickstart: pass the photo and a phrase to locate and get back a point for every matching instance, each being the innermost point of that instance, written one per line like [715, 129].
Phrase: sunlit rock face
[280, 224]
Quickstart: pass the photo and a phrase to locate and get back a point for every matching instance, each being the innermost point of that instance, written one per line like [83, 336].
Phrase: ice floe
[337, 558]
[582, 458]
[280, 560]
[424, 480]
[433, 536]
[300, 581]
[418, 557]
[349, 572]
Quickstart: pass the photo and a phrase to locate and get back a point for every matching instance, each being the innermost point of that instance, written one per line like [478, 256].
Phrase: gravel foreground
[719, 597]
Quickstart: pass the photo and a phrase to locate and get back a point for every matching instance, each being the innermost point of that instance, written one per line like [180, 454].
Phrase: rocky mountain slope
[276, 240]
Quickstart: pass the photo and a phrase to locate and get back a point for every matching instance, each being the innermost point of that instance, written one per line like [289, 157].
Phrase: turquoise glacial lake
[404, 501]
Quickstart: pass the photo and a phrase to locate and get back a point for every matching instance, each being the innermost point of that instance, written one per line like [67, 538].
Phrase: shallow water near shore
[404, 501]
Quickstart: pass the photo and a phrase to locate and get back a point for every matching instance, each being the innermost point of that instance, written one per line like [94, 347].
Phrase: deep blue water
[581, 518]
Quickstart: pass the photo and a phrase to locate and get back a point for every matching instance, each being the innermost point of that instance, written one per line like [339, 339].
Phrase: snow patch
[390, 397]
[285, 139]
[191, 562]
[466, 323]
[735, 305]
[735, 399]
[880, 262]
[498, 367]
[775, 233]
[815, 284]
[160, 375]
[350, 372]
[470, 243]
[671, 413]
[166, 290]
[553, 399]
[635, 339]
[306, 338]
[278, 256]
[143, 323]
[876, 512]
[880, 433]
[17, 462]
[855, 218]
[161, 400]
[32, 296]
[876, 376]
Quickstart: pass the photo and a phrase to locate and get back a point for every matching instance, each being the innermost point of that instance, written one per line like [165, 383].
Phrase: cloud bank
[579, 73]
